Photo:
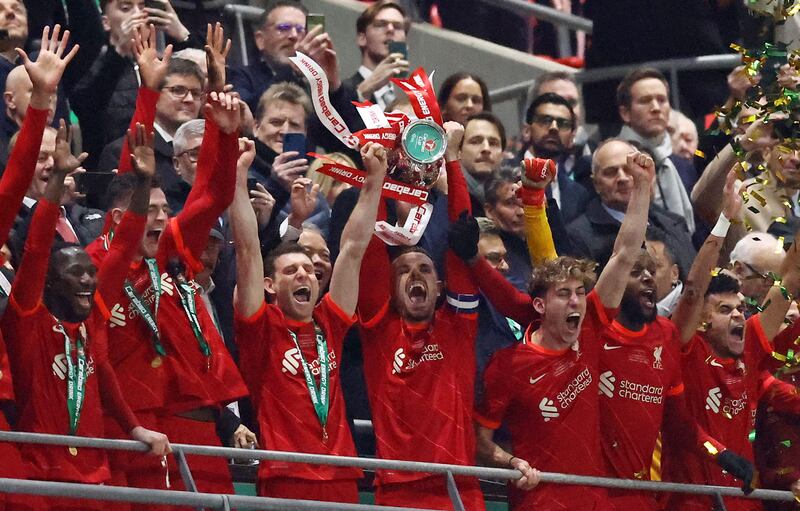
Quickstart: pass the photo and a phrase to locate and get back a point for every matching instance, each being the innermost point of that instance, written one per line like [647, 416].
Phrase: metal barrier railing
[449, 471]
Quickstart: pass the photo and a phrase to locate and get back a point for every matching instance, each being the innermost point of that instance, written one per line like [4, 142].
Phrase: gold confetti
[701, 154]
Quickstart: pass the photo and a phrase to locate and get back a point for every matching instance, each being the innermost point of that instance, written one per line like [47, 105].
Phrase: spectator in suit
[504, 208]
[551, 124]
[592, 234]
[182, 95]
[380, 23]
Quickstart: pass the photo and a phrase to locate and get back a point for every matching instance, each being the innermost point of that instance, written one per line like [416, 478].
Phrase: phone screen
[312, 20]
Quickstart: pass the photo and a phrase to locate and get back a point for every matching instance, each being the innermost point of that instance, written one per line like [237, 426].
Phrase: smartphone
[93, 183]
[312, 20]
[399, 47]
[252, 183]
[295, 142]
[156, 4]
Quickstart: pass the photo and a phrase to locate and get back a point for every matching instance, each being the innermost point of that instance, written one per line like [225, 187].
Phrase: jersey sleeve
[507, 299]
[498, 391]
[757, 346]
[375, 277]
[462, 291]
[537, 234]
[780, 396]
[21, 166]
[186, 235]
[337, 320]
[30, 279]
[145, 114]
[112, 272]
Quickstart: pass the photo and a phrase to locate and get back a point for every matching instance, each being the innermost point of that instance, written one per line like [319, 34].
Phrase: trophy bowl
[418, 159]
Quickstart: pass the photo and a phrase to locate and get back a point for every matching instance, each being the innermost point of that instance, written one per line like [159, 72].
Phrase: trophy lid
[424, 141]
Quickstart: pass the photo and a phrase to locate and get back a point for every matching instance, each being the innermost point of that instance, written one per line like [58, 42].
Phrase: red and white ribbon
[320, 98]
[412, 230]
[372, 115]
[391, 188]
[420, 92]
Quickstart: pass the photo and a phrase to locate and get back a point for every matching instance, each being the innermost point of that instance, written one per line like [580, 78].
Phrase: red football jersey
[549, 400]
[183, 379]
[638, 372]
[274, 374]
[721, 395]
[39, 363]
[421, 399]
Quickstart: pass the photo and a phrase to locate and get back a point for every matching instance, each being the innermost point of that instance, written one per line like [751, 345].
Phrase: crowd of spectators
[177, 268]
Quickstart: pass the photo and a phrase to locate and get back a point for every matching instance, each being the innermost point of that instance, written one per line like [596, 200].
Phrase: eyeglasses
[286, 28]
[180, 92]
[384, 24]
[547, 121]
[756, 273]
[192, 154]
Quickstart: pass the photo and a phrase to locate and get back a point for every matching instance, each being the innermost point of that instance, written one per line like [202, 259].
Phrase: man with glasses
[643, 101]
[755, 260]
[381, 23]
[181, 97]
[551, 124]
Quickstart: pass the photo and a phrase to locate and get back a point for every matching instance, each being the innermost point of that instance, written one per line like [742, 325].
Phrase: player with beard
[640, 377]
[419, 362]
[722, 359]
[289, 342]
[45, 73]
[546, 388]
[172, 363]
[59, 351]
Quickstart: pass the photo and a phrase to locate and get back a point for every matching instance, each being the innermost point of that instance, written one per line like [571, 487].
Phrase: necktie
[64, 230]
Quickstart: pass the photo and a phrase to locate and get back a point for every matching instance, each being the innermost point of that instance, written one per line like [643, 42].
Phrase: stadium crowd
[176, 268]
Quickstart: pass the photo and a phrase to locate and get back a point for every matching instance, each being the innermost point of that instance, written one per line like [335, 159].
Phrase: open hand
[143, 158]
[64, 162]
[46, 71]
[216, 52]
[319, 46]
[223, 108]
[731, 199]
[151, 68]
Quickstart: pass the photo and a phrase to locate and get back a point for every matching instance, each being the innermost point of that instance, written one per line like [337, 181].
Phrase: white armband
[720, 229]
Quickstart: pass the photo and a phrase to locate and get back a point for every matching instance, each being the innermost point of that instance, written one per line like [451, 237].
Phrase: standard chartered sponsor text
[641, 392]
[575, 387]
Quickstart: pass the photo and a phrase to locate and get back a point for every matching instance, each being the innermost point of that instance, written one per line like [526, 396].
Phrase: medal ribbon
[76, 376]
[186, 294]
[319, 396]
[142, 309]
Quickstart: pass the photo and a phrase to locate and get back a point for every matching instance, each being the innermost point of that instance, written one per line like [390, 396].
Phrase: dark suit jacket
[86, 222]
[109, 160]
[593, 233]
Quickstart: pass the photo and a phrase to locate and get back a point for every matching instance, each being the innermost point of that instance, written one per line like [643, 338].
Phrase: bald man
[753, 259]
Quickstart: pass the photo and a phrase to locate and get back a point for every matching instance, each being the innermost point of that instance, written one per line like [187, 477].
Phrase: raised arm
[539, 173]
[249, 265]
[30, 280]
[689, 310]
[375, 276]
[358, 230]
[628, 245]
[779, 297]
[187, 234]
[128, 236]
[45, 73]
[152, 70]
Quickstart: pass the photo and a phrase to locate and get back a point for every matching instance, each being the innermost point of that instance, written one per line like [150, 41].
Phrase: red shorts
[211, 474]
[430, 493]
[304, 489]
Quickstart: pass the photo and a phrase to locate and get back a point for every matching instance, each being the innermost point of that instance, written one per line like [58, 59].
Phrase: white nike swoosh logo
[534, 380]
[607, 347]
[715, 363]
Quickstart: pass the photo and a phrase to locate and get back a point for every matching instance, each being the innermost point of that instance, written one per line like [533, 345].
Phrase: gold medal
[156, 363]
[73, 451]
